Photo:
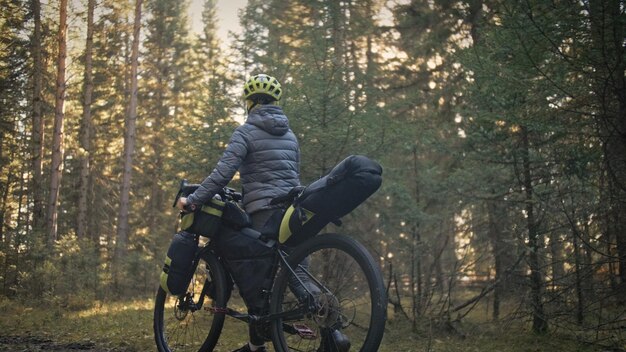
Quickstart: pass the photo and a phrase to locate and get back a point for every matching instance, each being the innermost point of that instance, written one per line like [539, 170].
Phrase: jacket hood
[269, 118]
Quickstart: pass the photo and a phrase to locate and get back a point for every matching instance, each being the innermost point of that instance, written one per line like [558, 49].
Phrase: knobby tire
[187, 331]
[352, 301]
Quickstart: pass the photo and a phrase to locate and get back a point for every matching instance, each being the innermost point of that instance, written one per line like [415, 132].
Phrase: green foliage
[478, 111]
[322, 57]
[68, 275]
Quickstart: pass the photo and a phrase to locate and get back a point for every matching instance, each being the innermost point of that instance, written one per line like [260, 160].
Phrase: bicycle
[350, 297]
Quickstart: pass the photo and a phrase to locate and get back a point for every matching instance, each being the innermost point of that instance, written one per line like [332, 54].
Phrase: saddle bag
[331, 197]
[179, 263]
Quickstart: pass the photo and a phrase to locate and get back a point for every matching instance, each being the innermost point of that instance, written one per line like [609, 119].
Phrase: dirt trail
[33, 343]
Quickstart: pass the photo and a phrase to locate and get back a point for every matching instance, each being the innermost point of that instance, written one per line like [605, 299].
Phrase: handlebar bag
[204, 221]
[235, 216]
[179, 263]
[329, 198]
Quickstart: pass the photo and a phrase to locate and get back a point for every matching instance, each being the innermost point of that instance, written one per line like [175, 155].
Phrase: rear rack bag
[331, 197]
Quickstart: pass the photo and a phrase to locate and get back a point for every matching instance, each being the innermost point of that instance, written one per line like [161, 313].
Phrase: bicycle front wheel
[193, 321]
[346, 304]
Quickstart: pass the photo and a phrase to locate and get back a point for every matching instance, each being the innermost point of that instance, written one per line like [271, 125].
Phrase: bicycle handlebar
[186, 188]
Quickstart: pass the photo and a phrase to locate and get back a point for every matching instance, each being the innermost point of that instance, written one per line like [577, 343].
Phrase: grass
[127, 326]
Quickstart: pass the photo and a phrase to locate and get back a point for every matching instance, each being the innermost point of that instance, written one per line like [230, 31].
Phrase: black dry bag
[250, 260]
[331, 197]
[204, 221]
[179, 263]
[235, 216]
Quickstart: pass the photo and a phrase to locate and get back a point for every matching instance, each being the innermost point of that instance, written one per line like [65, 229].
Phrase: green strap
[214, 208]
[212, 211]
[164, 274]
[285, 231]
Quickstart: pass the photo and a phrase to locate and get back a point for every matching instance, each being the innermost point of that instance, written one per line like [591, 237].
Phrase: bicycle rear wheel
[349, 299]
[191, 322]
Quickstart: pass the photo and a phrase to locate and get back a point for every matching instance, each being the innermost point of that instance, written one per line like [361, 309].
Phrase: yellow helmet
[262, 84]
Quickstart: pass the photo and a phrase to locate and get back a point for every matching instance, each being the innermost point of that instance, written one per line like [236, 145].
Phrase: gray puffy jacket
[267, 155]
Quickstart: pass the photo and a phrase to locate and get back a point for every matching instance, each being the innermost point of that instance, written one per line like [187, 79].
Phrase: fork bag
[331, 197]
[179, 263]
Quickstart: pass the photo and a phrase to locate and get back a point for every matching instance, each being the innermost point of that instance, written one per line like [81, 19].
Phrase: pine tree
[56, 165]
[111, 74]
[129, 141]
[316, 48]
[607, 55]
[14, 68]
[209, 123]
[37, 116]
[86, 125]
[425, 89]
[165, 91]
[529, 113]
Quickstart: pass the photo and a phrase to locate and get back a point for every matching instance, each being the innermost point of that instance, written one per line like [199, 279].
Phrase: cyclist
[266, 153]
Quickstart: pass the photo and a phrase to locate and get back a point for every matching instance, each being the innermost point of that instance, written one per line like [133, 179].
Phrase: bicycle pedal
[304, 332]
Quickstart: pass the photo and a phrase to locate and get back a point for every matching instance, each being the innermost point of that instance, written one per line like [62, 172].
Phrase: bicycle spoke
[180, 323]
[349, 306]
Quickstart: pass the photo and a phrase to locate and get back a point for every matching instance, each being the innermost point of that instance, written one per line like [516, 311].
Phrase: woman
[266, 153]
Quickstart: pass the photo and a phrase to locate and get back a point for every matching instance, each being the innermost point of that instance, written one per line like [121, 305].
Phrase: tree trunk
[337, 18]
[57, 138]
[557, 264]
[5, 242]
[540, 321]
[498, 252]
[416, 276]
[85, 133]
[129, 142]
[159, 128]
[416, 260]
[38, 121]
[588, 276]
[607, 27]
[580, 304]
[4, 208]
[21, 223]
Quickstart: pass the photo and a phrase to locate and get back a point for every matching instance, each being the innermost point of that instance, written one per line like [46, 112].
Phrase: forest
[500, 125]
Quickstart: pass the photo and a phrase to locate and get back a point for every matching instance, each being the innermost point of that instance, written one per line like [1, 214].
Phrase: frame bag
[250, 260]
[331, 197]
[179, 263]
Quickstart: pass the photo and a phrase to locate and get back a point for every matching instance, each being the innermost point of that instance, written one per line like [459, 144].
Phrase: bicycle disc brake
[184, 305]
[328, 312]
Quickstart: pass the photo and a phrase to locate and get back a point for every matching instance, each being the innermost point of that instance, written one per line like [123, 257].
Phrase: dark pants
[258, 221]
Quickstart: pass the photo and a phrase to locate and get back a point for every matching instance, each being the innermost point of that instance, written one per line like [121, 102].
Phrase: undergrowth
[128, 325]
